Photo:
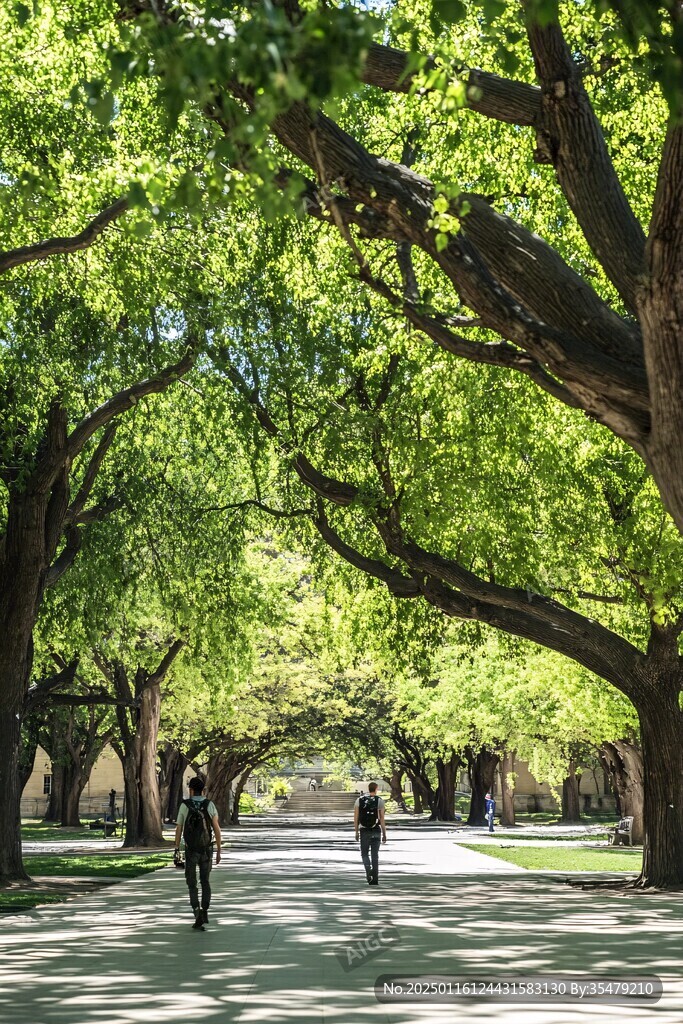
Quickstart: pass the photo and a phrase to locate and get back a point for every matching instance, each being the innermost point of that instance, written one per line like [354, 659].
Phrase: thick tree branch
[164, 665]
[498, 354]
[39, 693]
[58, 246]
[90, 475]
[96, 697]
[49, 466]
[461, 593]
[572, 140]
[516, 283]
[500, 99]
[662, 316]
[397, 584]
[74, 537]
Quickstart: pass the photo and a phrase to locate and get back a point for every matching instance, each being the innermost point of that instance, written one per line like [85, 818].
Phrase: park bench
[622, 832]
[108, 827]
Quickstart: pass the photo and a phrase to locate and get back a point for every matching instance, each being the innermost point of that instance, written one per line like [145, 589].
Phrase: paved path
[289, 899]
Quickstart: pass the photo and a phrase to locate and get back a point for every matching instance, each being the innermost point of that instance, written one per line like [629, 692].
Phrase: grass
[99, 865]
[11, 901]
[566, 858]
[33, 830]
[519, 837]
[109, 865]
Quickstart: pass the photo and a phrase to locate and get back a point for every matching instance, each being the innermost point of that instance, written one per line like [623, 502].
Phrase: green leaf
[449, 12]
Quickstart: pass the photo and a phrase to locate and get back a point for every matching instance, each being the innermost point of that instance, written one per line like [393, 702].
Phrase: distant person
[490, 806]
[314, 785]
[368, 820]
[197, 823]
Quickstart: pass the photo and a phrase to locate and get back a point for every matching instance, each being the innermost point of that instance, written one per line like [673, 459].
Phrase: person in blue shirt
[490, 805]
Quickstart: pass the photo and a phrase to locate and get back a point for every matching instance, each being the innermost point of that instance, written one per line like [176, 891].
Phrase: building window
[47, 785]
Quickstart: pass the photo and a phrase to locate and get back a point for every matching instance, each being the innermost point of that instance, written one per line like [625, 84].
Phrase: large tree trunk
[150, 816]
[143, 821]
[425, 789]
[418, 807]
[84, 743]
[507, 769]
[623, 761]
[28, 750]
[571, 800]
[137, 749]
[11, 865]
[173, 765]
[53, 739]
[53, 812]
[222, 769]
[74, 784]
[395, 784]
[661, 722]
[482, 769]
[444, 798]
[137, 753]
[237, 793]
[35, 516]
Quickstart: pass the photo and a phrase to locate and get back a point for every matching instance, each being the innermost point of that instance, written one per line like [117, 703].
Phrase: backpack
[368, 811]
[198, 833]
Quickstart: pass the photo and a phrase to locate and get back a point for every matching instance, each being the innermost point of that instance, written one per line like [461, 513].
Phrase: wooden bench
[622, 832]
[108, 827]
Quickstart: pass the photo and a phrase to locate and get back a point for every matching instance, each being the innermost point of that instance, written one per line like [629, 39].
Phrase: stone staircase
[321, 802]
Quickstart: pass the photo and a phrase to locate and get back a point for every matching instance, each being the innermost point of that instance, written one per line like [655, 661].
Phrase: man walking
[197, 823]
[368, 820]
[490, 806]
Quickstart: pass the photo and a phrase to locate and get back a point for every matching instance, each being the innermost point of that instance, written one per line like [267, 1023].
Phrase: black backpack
[198, 832]
[368, 812]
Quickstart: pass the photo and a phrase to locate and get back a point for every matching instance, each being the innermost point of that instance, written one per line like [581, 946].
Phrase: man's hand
[218, 856]
[357, 836]
[384, 837]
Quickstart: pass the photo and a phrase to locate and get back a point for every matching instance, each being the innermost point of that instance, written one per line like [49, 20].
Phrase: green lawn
[593, 837]
[99, 865]
[10, 902]
[566, 858]
[111, 865]
[35, 830]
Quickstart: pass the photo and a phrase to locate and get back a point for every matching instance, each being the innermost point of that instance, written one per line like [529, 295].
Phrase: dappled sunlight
[127, 954]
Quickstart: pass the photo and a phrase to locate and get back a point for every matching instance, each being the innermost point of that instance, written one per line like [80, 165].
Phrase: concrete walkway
[291, 902]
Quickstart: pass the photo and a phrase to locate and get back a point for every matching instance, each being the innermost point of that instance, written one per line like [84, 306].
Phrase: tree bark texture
[444, 799]
[623, 761]
[482, 766]
[507, 787]
[28, 750]
[395, 784]
[223, 768]
[138, 717]
[417, 794]
[661, 727]
[138, 758]
[237, 793]
[571, 800]
[173, 765]
[11, 865]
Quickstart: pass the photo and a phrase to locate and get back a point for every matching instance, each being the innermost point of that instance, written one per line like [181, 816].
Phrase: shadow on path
[128, 954]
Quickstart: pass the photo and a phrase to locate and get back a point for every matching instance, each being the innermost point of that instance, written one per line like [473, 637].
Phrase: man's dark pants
[370, 839]
[203, 862]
